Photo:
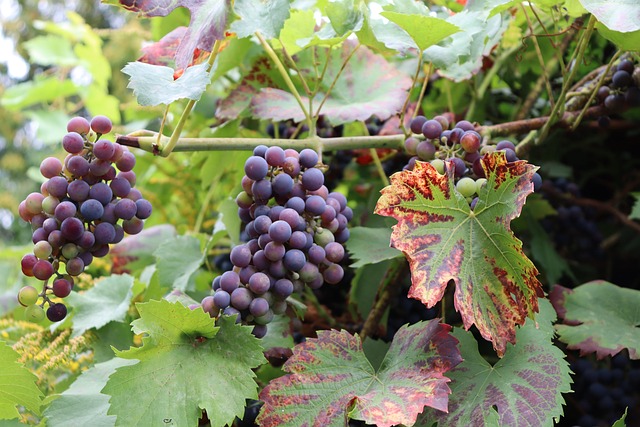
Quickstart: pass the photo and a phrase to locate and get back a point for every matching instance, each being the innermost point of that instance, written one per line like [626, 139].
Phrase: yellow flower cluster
[52, 357]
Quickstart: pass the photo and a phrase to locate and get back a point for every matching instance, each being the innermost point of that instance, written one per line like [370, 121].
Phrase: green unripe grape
[323, 237]
[487, 149]
[34, 313]
[466, 186]
[70, 250]
[28, 296]
[49, 204]
[438, 164]
[42, 249]
[264, 319]
[480, 182]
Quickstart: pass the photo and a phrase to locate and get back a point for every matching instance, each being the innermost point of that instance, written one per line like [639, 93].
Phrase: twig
[149, 142]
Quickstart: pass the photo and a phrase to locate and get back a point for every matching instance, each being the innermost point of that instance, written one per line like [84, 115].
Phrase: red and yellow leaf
[330, 380]
[443, 239]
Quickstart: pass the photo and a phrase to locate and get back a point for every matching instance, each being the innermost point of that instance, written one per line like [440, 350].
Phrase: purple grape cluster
[623, 92]
[86, 203]
[436, 143]
[296, 229]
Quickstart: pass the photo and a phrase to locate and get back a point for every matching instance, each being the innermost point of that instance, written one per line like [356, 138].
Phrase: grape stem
[149, 141]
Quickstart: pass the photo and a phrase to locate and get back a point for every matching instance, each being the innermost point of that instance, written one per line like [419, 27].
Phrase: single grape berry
[56, 312]
[101, 125]
[27, 296]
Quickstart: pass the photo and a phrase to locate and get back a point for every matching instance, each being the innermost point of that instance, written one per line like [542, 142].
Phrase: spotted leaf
[208, 22]
[444, 240]
[330, 380]
[522, 389]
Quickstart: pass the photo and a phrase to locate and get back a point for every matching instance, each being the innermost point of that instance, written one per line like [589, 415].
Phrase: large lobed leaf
[330, 379]
[599, 317]
[17, 385]
[82, 404]
[524, 388]
[107, 301]
[443, 239]
[186, 365]
[208, 22]
[367, 86]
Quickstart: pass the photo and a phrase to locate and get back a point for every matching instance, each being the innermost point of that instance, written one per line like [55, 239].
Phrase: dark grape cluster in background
[573, 230]
[603, 390]
[435, 142]
[86, 203]
[623, 92]
[296, 230]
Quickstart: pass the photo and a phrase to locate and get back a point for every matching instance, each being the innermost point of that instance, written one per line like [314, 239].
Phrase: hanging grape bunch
[85, 205]
[463, 146]
[296, 229]
[623, 92]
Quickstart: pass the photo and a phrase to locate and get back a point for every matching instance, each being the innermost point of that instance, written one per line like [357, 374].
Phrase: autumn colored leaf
[208, 22]
[444, 240]
[598, 317]
[163, 51]
[330, 380]
[524, 388]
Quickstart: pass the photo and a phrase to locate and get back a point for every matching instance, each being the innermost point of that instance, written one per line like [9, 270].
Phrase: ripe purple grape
[73, 143]
[126, 162]
[259, 283]
[417, 123]
[431, 129]
[221, 299]
[91, 210]
[78, 125]
[101, 125]
[50, 167]
[229, 281]
[259, 307]
[56, 312]
[42, 269]
[104, 149]
[312, 179]
[241, 298]
[274, 156]
[280, 231]
[256, 168]
[308, 158]
[62, 287]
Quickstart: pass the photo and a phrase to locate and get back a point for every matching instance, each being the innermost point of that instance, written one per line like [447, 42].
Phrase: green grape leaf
[155, 84]
[39, 90]
[621, 421]
[177, 260]
[82, 404]
[370, 246]
[208, 22]
[367, 86]
[135, 252]
[460, 56]
[17, 385]
[424, 30]
[525, 386]
[344, 16]
[625, 41]
[444, 240]
[599, 317]
[107, 301]
[51, 50]
[265, 17]
[330, 379]
[617, 15]
[299, 26]
[186, 365]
